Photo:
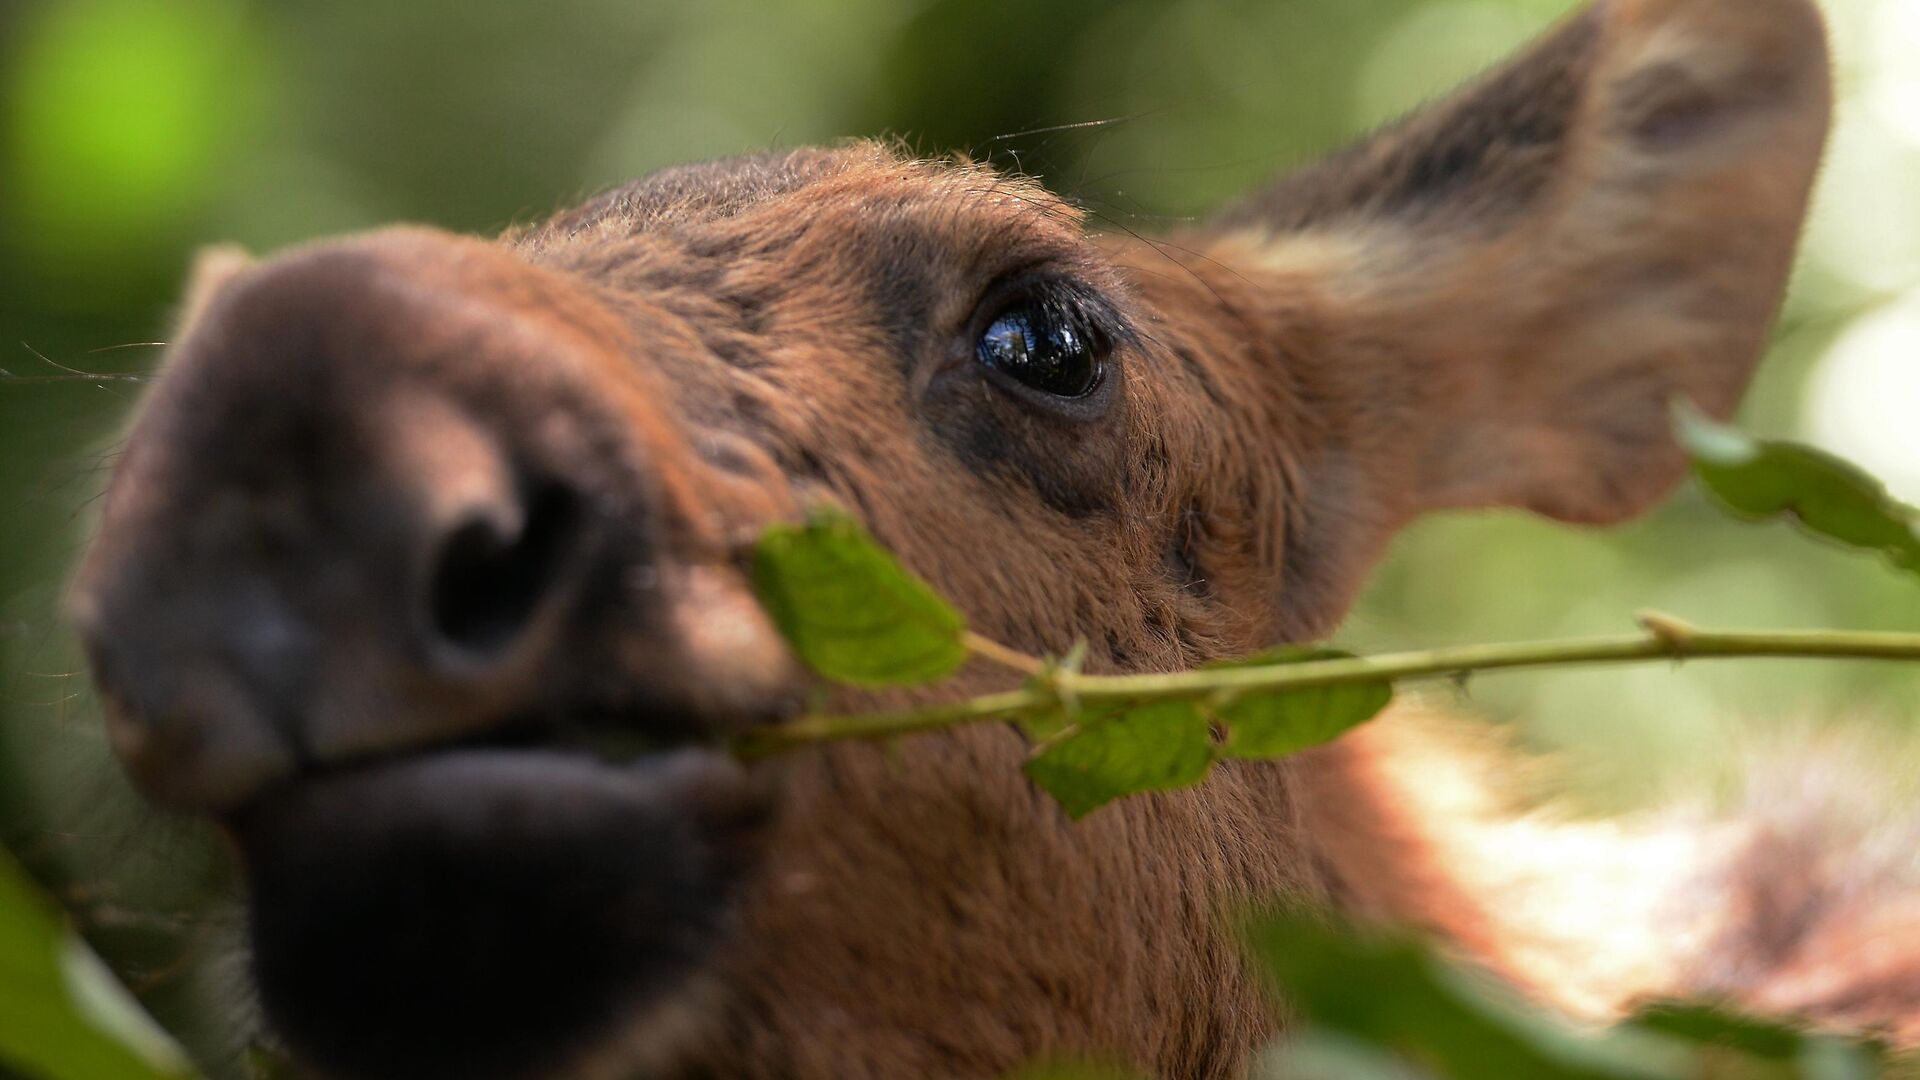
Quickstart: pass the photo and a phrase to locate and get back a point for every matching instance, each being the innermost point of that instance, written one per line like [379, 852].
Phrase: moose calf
[411, 523]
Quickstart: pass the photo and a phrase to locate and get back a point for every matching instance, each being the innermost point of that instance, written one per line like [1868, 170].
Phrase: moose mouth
[488, 911]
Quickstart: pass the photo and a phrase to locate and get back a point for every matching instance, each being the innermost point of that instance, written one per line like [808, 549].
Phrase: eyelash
[1079, 302]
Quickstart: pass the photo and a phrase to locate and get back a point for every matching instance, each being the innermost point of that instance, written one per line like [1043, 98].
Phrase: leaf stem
[1005, 656]
[1663, 638]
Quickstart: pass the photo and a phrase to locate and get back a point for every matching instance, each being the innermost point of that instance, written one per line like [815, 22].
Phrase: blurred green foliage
[132, 131]
[66, 1016]
[1447, 1022]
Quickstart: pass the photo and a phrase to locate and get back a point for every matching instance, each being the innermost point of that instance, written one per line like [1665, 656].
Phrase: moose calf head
[423, 568]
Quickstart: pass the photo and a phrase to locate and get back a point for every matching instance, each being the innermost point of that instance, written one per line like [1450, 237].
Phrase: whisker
[129, 345]
[51, 362]
[70, 374]
[1083, 124]
[101, 377]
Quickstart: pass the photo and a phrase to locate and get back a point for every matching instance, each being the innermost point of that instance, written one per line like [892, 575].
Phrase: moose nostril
[489, 579]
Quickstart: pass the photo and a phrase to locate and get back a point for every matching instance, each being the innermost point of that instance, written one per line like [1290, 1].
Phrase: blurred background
[132, 131]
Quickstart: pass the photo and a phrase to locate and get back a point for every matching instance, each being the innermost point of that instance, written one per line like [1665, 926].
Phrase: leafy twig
[856, 617]
[1664, 638]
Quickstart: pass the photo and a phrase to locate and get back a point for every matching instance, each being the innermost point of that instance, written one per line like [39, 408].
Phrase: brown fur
[1489, 304]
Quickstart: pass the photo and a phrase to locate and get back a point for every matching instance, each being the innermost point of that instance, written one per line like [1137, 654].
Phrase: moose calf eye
[1046, 347]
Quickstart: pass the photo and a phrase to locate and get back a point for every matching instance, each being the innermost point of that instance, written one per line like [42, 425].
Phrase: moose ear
[1509, 287]
[213, 267]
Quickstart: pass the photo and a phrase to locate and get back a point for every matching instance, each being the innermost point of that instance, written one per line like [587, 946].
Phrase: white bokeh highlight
[1863, 400]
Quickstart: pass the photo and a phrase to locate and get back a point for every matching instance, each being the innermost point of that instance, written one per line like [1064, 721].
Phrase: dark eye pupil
[1044, 348]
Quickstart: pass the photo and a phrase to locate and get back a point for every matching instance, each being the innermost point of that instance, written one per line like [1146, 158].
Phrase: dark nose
[406, 580]
[486, 539]
[383, 501]
[492, 572]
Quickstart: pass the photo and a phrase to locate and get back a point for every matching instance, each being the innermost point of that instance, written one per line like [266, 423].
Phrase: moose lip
[487, 911]
[528, 740]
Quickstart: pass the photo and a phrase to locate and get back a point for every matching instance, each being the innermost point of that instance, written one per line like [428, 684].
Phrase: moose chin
[401, 911]
[425, 574]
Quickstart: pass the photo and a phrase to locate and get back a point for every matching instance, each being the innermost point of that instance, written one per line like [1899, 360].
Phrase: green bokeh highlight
[118, 114]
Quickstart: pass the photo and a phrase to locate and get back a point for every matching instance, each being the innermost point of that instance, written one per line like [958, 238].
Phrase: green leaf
[1375, 991]
[1326, 1055]
[1708, 1027]
[1272, 724]
[65, 1018]
[1761, 479]
[1042, 726]
[1388, 992]
[849, 610]
[1160, 746]
[1153, 747]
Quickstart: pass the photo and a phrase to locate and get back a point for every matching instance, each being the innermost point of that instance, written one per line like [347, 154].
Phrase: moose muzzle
[396, 581]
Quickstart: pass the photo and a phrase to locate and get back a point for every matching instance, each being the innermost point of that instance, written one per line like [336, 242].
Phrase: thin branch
[1664, 638]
